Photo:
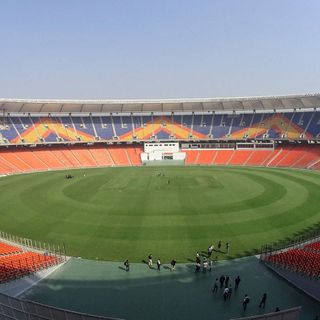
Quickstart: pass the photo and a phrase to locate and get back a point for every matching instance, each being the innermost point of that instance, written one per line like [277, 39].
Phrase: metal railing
[31, 256]
[13, 308]
[288, 314]
[33, 245]
[290, 243]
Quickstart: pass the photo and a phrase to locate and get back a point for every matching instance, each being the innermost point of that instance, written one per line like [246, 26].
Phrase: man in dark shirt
[222, 278]
[173, 264]
[263, 301]
[237, 282]
[245, 302]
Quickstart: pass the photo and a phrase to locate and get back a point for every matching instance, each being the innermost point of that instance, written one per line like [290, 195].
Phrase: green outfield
[118, 213]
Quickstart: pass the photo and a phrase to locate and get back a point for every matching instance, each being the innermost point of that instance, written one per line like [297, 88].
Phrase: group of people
[225, 283]
[202, 262]
[219, 248]
[205, 263]
[150, 263]
[262, 303]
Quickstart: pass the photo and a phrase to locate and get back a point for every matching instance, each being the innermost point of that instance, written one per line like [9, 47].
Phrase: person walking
[215, 286]
[219, 245]
[210, 265]
[205, 265]
[227, 247]
[210, 250]
[150, 260]
[263, 301]
[222, 278]
[245, 302]
[173, 264]
[230, 291]
[225, 293]
[226, 283]
[158, 264]
[127, 265]
[237, 282]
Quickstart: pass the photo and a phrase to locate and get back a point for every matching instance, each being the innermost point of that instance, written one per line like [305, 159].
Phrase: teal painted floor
[104, 288]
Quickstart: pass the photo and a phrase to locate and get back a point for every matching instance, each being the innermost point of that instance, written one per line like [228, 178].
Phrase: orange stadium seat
[10, 156]
[39, 159]
[71, 158]
[134, 155]
[4, 169]
[84, 156]
[259, 157]
[191, 156]
[101, 155]
[206, 156]
[240, 157]
[47, 156]
[119, 156]
[308, 157]
[8, 248]
[59, 154]
[290, 158]
[316, 166]
[16, 263]
[31, 159]
[223, 157]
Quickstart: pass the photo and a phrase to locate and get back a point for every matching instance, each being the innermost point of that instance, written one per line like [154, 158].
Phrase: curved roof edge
[161, 105]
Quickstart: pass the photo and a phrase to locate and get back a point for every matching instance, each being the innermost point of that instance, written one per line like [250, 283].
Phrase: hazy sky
[122, 49]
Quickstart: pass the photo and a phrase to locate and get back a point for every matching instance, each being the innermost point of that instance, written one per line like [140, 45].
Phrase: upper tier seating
[32, 129]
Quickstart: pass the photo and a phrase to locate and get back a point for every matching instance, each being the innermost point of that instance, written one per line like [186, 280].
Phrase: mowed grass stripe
[115, 213]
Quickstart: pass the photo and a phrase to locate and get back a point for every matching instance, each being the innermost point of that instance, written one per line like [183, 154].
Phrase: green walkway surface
[104, 288]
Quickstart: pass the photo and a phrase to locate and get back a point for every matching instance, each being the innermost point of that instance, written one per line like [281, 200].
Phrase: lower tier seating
[8, 248]
[315, 246]
[53, 158]
[305, 260]
[307, 157]
[16, 263]
[19, 160]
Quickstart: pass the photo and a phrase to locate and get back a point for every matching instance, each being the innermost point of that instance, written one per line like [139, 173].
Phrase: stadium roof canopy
[171, 105]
